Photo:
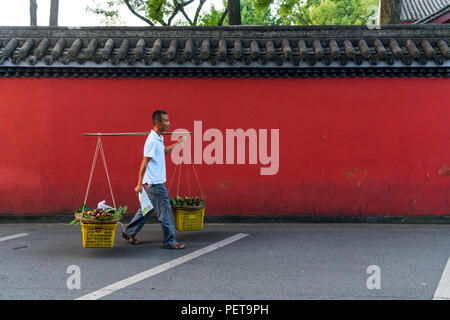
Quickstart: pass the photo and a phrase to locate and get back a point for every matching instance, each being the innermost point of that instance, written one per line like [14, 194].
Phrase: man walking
[152, 174]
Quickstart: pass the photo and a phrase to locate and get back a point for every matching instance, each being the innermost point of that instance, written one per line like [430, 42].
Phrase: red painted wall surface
[347, 146]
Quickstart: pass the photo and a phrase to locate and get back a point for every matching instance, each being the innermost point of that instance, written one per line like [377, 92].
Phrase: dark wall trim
[48, 72]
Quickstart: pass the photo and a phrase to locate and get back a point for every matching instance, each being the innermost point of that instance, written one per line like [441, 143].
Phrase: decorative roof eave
[211, 51]
[414, 10]
[430, 18]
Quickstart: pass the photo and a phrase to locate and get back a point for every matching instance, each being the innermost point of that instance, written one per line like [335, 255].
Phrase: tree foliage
[250, 13]
[325, 12]
[253, 12]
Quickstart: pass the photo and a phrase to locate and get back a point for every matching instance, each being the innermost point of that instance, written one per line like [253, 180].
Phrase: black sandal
[130, 239]
[176, 246]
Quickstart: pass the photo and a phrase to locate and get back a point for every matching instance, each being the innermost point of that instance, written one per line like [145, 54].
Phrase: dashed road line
[443, 288]
[13, 236]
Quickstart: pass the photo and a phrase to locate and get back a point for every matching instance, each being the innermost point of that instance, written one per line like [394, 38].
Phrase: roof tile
[414, 10]
[236, 47]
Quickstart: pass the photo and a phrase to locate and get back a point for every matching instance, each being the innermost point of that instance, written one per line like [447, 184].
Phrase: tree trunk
[389, 11]
[234, 12]
[33, 11]
[54, 13]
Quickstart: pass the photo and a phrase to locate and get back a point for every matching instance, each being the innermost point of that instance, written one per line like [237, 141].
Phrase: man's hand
[138, 189]
[170, 148]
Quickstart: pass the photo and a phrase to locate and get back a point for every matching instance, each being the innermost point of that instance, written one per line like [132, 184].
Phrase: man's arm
[170, 148]
[142, 169]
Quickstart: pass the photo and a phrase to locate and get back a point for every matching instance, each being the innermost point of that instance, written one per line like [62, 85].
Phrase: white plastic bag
[104, 206]
[146, 204]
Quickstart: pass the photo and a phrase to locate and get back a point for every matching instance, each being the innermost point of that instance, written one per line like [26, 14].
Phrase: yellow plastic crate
[98, 235]
[188, 220]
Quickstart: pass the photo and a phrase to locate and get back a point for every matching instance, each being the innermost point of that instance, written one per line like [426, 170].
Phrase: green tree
[252, 12]
[153, 12]
[325, 12]
[163, 12]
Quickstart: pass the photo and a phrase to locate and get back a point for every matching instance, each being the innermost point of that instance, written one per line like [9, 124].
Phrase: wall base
[64, 218]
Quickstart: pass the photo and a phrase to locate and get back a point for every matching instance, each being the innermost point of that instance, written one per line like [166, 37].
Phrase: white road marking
[13, 236]
[443, 288]
[161, 268]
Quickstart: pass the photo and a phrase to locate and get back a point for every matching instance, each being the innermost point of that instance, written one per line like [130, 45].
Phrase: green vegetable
[95, 214]
[74, 221]
[187, 201]
[80, 208]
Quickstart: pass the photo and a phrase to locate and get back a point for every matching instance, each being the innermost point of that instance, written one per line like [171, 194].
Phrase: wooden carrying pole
[100, 148]
[99, 135]
[130, 133]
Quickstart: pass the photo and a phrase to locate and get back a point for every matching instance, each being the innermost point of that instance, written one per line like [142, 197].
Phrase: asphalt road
[275, 261]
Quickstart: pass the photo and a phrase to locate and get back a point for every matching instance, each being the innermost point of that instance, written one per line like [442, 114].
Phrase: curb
[429, 219]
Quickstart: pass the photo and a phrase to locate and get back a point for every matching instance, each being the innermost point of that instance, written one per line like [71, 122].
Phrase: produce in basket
[98, 214]
[188, 201]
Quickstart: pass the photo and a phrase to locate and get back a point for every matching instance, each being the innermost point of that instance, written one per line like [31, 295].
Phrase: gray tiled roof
[224, 51]
[414, 10]
[443, 11]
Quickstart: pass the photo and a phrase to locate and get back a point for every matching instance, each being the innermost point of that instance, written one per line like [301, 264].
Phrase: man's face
[164, 124]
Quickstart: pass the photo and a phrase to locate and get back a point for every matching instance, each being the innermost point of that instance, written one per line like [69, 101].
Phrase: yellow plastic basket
[188, 219]
[98, 235]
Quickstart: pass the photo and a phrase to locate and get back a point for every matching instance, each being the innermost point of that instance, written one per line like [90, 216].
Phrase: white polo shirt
[156, 167]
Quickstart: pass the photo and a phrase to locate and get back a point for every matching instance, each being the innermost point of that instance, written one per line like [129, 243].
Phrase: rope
[98, 148]
[179, 175]
[107, 175]
[203, 196]
[187, 174]
[189, 186]
[173, 174]
[92, 171]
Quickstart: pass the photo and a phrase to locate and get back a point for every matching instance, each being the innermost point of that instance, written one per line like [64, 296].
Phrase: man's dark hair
[157, 116]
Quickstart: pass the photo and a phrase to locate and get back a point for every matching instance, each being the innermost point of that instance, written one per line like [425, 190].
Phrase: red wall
[347, 146]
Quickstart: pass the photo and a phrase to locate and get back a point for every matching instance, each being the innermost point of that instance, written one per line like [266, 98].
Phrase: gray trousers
[159, 197]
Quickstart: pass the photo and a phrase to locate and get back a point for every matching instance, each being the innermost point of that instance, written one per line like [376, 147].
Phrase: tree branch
[33, 10]
[234, 12]
[224, 14]
[177, 8]
[197, 12]
[54, 5]
[127, 2]
[185, 15]
[187, 3]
